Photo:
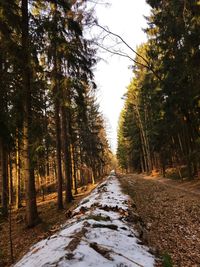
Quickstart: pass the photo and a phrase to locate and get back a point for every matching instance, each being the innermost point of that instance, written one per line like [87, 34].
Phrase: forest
[159, 126]
[52, 135]
[66, 199]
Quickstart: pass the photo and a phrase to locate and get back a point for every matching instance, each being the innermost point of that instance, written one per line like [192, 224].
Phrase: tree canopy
[160, 121]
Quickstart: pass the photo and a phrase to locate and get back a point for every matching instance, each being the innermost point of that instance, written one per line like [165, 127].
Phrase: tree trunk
[56, 93]
[144, 141]
[142, 162]
[31, 206]
[58, 156]
[46, 141]
[4, 175]
[144, 152]
[18, 176]
[66, 156]
[74, 170]
[10, 180]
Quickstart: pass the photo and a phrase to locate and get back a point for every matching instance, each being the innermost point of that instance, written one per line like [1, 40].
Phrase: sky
[113, 73]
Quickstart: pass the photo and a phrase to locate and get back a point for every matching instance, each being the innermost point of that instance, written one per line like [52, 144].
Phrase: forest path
[99, 233]
[170, 216]
[187, 186]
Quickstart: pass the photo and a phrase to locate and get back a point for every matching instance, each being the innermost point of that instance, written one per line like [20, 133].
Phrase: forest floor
[162, 214]
[169, 217]
[23, 237]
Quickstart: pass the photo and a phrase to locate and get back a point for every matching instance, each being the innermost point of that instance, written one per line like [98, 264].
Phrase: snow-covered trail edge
[97, 235]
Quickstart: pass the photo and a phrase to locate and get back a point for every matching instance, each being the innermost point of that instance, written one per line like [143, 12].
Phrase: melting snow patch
[97, 235]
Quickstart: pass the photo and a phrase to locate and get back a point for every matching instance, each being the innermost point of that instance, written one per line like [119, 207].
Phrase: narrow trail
[170, 215]
[99, 233]
[190, 187]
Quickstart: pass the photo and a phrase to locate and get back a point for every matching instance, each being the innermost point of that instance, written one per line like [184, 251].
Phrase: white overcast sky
[112, 74]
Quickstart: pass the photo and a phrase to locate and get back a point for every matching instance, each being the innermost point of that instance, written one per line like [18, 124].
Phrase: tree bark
[66, 156]
[46, 141]
[58, 156]
[4, 178]
[18, 174]
[31, 206]
[144, 140]
[10, 180]
[56, 93]
[74, 170]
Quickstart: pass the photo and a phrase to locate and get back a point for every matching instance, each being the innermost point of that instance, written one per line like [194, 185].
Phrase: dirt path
[190, 187]
[170, 213]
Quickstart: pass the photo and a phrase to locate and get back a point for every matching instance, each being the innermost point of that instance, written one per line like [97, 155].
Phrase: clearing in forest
[97, 234]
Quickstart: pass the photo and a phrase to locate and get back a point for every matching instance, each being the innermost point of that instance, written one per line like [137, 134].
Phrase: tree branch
[121, 54]
[123, 41]
[147, 65]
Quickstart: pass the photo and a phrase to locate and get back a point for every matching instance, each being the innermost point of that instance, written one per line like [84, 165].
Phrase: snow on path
[97, 235]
